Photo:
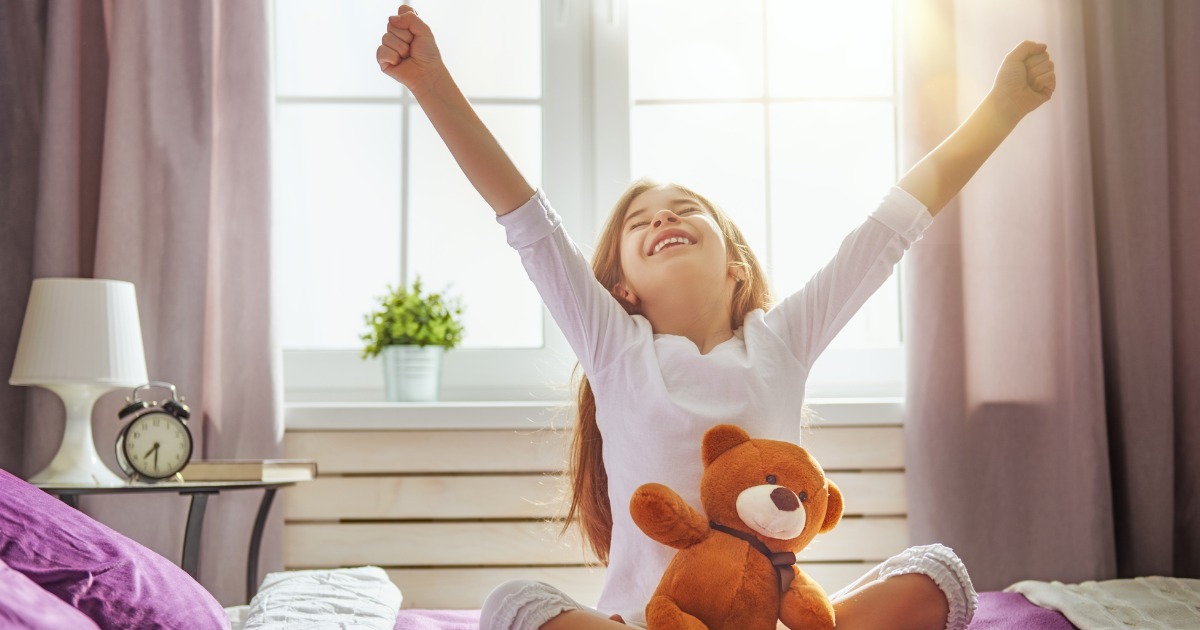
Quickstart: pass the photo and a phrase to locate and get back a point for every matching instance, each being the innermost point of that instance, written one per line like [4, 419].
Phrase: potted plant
[412, 331]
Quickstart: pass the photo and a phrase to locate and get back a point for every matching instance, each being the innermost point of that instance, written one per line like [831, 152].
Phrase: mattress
[997, 611]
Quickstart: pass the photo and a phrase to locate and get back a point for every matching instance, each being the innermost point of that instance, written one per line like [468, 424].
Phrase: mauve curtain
[139, 152]
[1053, 312]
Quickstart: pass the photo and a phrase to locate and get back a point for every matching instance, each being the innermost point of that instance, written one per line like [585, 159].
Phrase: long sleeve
[810, 318]
[594, 323]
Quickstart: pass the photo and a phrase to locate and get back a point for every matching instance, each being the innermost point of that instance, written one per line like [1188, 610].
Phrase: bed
[61, 569]
[997, 611]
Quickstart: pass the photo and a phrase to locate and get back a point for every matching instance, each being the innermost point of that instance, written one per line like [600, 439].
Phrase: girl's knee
[928, 605]
[522, 605]
[908, 601]
[940, 566]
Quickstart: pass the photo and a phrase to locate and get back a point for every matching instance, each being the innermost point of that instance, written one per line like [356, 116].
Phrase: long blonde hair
[589, 480]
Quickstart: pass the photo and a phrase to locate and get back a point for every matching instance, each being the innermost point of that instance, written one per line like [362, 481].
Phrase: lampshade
[80, 331]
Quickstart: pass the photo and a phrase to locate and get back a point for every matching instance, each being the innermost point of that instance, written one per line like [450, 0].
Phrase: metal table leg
[191, 534]
[260, 522]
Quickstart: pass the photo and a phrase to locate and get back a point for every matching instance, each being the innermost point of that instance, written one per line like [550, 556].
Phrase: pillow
[27, 606]
[108, 577]
[363, 598]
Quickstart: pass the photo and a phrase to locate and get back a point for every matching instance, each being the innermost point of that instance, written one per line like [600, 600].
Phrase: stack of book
[250, 470]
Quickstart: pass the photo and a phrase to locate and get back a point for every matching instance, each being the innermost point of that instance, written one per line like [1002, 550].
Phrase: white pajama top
[656, 394]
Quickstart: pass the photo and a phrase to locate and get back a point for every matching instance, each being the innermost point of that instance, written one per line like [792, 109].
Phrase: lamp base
[65, 470]
[77, 463]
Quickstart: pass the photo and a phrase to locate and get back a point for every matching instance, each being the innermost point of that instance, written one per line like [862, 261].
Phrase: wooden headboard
[452, 513]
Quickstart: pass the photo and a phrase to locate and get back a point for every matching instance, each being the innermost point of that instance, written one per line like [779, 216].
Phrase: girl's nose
[665, 216]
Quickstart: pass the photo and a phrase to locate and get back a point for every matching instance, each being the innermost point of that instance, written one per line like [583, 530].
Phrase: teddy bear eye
[803, 496]
[771, 479]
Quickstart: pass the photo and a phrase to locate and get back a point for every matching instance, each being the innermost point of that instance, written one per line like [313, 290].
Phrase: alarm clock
[155, 444]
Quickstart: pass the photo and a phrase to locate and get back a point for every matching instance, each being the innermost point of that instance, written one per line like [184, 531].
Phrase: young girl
[672, 326]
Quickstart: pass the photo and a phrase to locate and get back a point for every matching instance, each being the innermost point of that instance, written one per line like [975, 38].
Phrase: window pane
[493, 48]
[829, 48]
[453, 237]
[717, 150]
[695, 49]
[830, 166]
[325, 48]
[336, 199]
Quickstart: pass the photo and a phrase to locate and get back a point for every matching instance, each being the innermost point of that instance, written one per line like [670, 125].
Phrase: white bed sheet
[361, 598]
[1153, 603]
[237, 616]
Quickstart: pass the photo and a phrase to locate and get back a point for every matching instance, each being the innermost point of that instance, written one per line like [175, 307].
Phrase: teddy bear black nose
[785, 499]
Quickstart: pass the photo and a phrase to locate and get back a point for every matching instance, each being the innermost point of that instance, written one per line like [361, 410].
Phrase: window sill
[374, 416]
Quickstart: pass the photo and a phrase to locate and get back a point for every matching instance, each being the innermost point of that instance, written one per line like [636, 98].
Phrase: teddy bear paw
[809, 614]
[664, 614]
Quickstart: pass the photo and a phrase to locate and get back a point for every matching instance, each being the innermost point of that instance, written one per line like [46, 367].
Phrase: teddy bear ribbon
[781, 560]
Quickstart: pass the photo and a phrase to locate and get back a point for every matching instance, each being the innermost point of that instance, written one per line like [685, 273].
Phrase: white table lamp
[81, 339]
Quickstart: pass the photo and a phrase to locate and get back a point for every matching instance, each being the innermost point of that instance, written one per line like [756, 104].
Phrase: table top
[184, 487]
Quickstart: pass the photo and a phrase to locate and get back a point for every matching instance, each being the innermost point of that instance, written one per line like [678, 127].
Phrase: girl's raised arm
[594, 323]
[1025, 81]
[410, 55]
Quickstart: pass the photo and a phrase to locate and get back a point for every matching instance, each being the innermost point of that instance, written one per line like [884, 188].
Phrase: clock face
[157, 445]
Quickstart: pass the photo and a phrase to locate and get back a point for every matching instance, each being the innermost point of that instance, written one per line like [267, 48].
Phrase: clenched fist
[1025, 80]
[408, 52]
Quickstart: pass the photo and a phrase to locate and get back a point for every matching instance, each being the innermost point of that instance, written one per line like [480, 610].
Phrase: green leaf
[405, 317]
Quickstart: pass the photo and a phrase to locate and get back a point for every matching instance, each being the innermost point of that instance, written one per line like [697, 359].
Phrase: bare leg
[869, 577]
[911, 601]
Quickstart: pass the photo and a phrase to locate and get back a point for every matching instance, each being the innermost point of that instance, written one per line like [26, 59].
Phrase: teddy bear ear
[721, 438]
[833, 508]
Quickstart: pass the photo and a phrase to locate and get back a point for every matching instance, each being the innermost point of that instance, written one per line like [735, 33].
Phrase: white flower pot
[412, 373]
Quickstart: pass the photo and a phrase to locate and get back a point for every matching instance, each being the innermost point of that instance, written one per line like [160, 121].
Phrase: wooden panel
[315, 545]
[478, 500]
[868, 539]
[468, 588]
[457, 497]
[856, 448]
[523, 543]
[511, 497]
[449, 588]
[836, 447]
[429, 451]
[871, 493]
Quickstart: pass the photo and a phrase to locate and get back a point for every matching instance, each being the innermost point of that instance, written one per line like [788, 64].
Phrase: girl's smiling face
[668, 237]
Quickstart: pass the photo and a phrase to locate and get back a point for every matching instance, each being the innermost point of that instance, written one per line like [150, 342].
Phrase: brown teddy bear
[736, 568]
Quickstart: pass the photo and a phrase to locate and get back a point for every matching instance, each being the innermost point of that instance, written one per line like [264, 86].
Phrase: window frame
[487, 373]
[586, 115]
[839, 372]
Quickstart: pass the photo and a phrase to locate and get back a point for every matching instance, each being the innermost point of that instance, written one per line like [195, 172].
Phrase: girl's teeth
[671, 241]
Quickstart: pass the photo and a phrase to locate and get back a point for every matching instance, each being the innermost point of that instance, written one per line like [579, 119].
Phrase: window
[782, 111]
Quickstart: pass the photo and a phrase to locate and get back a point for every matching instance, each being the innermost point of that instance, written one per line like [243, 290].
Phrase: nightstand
[199, 492]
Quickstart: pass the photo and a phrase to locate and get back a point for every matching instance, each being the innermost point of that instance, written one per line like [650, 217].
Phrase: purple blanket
[997, 611]
[1011, 611]
[438, 620]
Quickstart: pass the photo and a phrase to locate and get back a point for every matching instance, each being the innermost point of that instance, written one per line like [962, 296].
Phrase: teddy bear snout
[785, 499]
[768, 510]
